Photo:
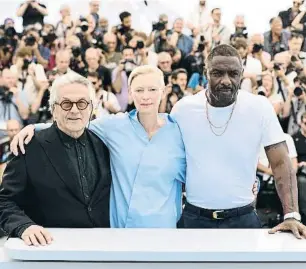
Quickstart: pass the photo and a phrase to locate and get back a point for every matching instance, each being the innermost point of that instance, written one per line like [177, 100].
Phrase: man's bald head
[13, 127]
[9, 78]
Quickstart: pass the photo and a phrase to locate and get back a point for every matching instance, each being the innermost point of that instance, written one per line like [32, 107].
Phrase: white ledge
[160, 245]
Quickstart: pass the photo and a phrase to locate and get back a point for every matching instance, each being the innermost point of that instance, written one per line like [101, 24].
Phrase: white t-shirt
[263, 159]
[221, 170]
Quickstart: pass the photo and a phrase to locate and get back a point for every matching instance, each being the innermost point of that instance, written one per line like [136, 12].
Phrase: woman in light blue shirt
[147, 157]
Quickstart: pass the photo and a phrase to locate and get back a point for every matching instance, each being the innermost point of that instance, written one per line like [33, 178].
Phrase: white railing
[157, 248]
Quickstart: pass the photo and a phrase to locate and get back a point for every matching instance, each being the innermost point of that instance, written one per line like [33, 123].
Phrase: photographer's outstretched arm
[117, 84]
[296, 23]
[287, 104]
[22, 109]
[21, 10]
[284, 175]
[40, 59]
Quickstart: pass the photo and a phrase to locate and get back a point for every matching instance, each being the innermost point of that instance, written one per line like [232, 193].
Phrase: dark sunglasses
[67, 105]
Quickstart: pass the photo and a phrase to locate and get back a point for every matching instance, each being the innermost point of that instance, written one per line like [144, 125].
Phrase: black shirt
[300, 145]
[32, 16]
[81, 155]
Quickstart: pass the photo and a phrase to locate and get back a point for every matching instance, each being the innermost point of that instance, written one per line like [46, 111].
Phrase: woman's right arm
[21, 10]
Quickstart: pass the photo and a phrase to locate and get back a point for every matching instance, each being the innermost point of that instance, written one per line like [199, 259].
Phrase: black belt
[220, 213]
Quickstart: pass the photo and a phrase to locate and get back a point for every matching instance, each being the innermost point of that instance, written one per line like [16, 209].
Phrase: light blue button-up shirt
[147, 174]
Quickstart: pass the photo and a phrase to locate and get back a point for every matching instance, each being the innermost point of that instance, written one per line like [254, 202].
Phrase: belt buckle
[215, 214]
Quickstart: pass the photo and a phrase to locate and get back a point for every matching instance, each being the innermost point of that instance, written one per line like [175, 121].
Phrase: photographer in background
[300, 144]
[240, 29]
[288, 16]
[255, 50]
[62, 62]
[143, 55]
[121, 74]
[267, 89]
[8, 43]
[295, 103]
[65, 24]
[276, 40]
[93, 57]
[180, 40]
[33, 41]
[124, 31]
[252, 68]
[216, 33]
[13, 101]
[31, 76]
[107, 102]
[112, 57]
[32, 13]
[160, 34]
[175, 90]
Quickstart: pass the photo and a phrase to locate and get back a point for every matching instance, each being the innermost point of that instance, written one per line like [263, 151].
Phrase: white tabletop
[170, 245]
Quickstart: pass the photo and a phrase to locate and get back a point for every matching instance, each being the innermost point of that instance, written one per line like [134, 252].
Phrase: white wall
[257, 16]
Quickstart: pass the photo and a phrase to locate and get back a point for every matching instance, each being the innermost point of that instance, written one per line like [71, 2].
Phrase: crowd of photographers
[274, 66]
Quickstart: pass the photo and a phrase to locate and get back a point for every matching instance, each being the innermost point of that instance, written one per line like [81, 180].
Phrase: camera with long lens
[84, 24]
[129, 66]
[277, 66]
[10, 32]
[158, 26]
[262, 91]
[5, 95]
[76, 51]
[298, 91]
[99, 44]
[48, 38]
[30, 41]
[257, 48]
[140, 44]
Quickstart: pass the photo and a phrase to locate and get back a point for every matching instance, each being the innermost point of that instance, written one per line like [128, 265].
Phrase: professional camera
[10, 32]
[298, 91]
[76, 51]
[99, 44]
[261, 91]
[48, 38]
[241, 32]
[5, 95]
[84, 24]
[277, 66]
[158, 26]
[257, 48]
[140, 44]
[199, 64]
[201, 46]
[129, 66]
[30, 41]
[26, 64]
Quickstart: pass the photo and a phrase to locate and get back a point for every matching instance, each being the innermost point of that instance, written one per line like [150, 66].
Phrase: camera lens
[298, 91]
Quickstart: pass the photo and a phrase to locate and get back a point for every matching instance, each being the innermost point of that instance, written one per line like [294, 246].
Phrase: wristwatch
[293, 215]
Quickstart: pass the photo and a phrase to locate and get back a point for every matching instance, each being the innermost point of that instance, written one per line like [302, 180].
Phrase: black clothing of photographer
[276, 40]
[124, 31]
[289, 15]
[32, 13]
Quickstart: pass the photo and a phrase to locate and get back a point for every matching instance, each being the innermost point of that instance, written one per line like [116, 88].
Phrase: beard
[223, 96]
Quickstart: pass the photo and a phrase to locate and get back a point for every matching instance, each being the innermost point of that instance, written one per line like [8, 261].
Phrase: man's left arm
[286, 186]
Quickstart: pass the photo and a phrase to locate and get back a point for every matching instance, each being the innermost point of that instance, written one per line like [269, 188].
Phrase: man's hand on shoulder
[23, 137]
[36, 235]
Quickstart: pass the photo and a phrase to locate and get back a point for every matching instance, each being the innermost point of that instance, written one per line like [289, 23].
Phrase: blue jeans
[192, 220]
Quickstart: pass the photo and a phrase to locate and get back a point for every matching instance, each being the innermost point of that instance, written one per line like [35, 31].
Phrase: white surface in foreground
[171, 245]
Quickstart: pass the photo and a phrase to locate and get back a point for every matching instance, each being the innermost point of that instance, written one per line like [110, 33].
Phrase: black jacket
[41, 188]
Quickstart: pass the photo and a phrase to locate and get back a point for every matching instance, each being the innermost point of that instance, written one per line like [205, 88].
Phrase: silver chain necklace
[211, 125]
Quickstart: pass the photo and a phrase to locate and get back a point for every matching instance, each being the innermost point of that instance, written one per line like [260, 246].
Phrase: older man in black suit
[64, 179]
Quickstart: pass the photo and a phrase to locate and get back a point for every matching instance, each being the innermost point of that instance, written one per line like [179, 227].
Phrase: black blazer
[41, 187]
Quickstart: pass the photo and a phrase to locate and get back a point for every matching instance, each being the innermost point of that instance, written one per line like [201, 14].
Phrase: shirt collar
[69, 141]
[134, 116]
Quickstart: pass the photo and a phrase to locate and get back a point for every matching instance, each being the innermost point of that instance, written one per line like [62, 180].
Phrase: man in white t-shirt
[223, 129]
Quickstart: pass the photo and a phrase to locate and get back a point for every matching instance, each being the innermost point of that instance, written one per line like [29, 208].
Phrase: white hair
[69, 78]
[146, 69]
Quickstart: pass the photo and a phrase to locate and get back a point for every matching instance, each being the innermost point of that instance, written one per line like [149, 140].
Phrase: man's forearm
[286, 185]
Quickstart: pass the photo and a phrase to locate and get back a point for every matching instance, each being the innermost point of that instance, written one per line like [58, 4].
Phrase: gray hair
[69, 78]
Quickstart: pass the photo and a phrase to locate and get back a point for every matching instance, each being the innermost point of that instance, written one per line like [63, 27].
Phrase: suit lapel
[58, 157]
[103, 162]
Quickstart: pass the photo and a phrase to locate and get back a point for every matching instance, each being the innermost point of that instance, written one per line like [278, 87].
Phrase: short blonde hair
[70, 78]
[143, 70]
